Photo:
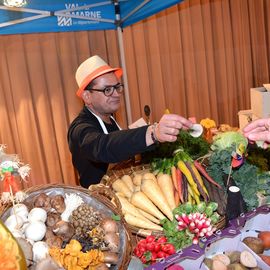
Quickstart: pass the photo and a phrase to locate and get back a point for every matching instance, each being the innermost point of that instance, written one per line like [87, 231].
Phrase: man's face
[98, 101]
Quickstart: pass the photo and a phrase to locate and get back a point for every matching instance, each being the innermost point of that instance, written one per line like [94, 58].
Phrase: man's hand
[168, 128]
[258, 130]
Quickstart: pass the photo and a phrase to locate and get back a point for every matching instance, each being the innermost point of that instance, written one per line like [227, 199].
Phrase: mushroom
[35, 231]
[43, 201]
[14, 222]
[37, 214]
[58, 203]
[20, 210]
[27, 250]
[40, 251]
[47, 264]
[113, 241]
[52, 219]
[64, 229]
[109, 225]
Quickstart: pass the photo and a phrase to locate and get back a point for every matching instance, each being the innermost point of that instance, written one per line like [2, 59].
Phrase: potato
[254, 243]
[209, 263]
[236, 266]
[223, 258]
[247, 259]
[234, 256]
[218, 265]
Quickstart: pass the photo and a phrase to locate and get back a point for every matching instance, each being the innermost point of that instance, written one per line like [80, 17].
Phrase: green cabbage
[227, 139]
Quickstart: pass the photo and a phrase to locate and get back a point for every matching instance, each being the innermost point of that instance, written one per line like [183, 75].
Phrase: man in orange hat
[95, 139]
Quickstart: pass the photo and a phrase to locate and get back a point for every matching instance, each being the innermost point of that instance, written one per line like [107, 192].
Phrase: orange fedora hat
[92, 68]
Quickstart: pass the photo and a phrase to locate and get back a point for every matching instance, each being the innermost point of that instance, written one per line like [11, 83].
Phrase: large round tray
[99, 200]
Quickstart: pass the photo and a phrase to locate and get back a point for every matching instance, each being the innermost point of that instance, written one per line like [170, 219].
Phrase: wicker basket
[99, 197]
[112, 175]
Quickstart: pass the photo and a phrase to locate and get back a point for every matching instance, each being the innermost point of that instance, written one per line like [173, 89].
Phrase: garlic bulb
[72, 202]
[20, 210]
[14, 222]
[37, 214]
[40, 251]
[35, 230]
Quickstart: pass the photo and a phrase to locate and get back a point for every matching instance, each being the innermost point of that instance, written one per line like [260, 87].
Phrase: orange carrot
[173, 172]
[179, 184]
[176, 198]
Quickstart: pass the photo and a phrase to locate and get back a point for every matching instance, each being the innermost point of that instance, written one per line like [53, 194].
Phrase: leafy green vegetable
[227, 139]
[179, 239]
[194, 147]
[248, 177]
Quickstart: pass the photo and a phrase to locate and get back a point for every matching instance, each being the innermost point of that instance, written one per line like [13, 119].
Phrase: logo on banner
[67, 21]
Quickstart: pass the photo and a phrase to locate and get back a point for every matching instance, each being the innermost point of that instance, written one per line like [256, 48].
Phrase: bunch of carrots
[147, 198]
[188, 177]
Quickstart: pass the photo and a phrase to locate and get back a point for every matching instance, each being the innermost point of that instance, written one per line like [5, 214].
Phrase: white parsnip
[119, 186]
[149, 216]
[127, 207]
[152, 190]
[137, 179]
[165, 183]
[149, 176]
[140, 200]
[128, 181]
[137, 222]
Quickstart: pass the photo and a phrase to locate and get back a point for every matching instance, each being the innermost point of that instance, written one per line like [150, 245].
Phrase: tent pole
[125, 80]
[122, 59]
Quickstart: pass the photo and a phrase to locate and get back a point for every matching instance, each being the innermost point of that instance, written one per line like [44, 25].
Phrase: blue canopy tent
[67, 15]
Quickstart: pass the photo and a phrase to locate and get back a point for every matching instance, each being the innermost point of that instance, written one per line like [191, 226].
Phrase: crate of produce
[70, 227]
[226, 250]
[255, 231]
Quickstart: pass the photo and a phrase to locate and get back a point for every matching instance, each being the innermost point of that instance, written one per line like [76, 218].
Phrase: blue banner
[69, 15]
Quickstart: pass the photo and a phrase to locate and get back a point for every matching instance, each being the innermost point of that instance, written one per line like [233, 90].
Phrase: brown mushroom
[58, 203]
[52, 219]
[43, 201]
[64, 229]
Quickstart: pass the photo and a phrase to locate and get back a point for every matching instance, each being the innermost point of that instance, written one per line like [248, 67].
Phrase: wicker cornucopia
[115, 174]
[100, 199]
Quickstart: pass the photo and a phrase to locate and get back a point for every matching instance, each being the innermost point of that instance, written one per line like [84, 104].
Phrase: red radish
[162, 239]
[157, 247]
[185, 218]
[150, 246]
[143, 259]
[161, 254]
[150, 238]
[154, 257]
[195, 240]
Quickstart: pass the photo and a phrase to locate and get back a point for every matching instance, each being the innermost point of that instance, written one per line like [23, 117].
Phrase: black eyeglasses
[109, 90]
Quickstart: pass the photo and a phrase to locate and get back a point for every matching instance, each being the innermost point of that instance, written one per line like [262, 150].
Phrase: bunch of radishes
[197, 223]
[152, 249]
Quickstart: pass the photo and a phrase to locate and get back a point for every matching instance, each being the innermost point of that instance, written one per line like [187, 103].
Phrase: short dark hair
[90, 85]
